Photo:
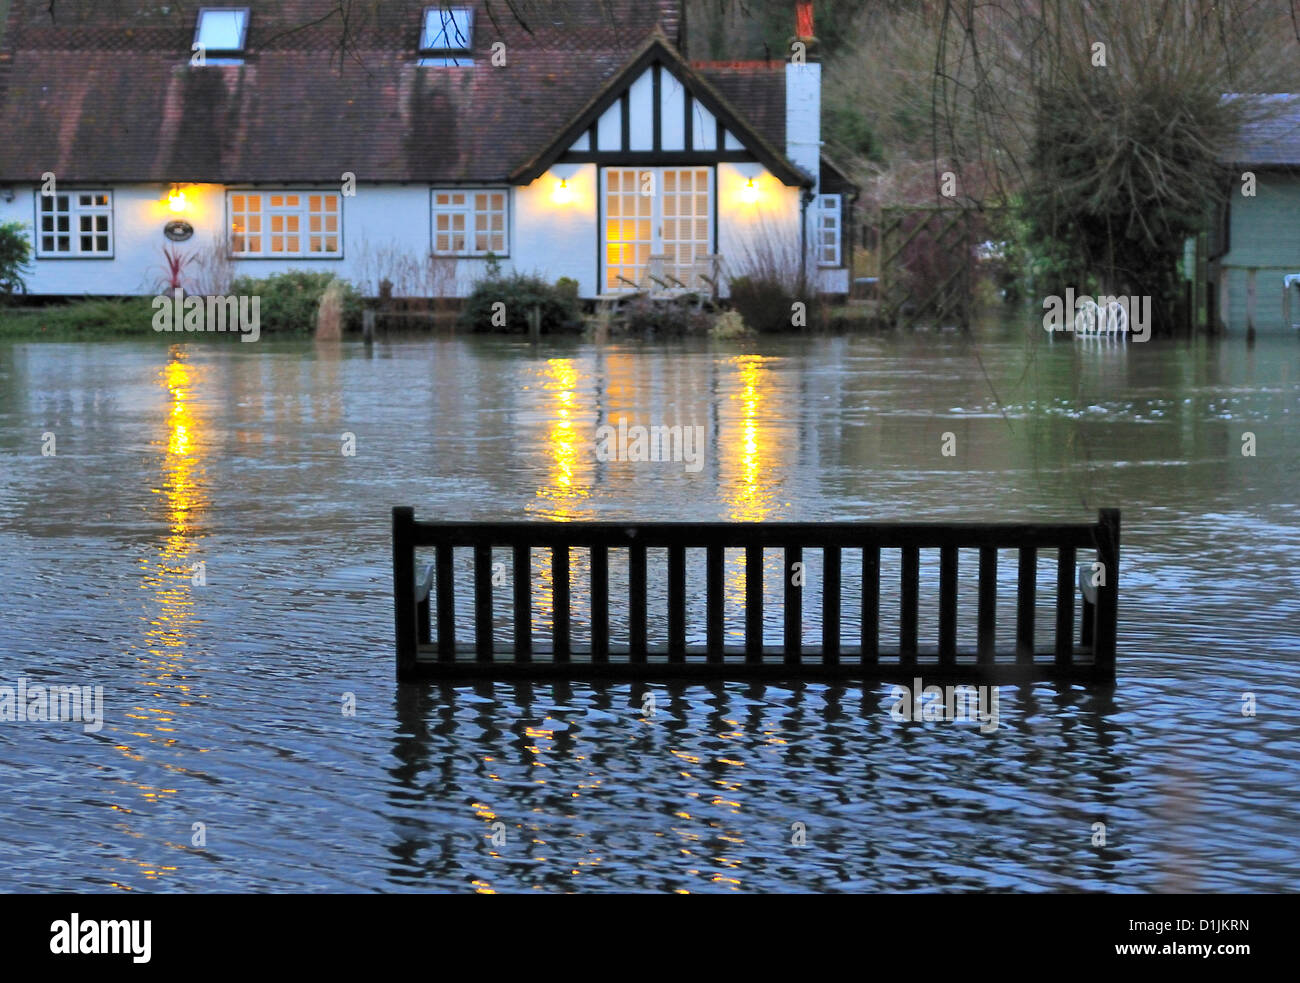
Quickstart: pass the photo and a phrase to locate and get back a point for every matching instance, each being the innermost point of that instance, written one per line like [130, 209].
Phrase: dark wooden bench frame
[422, 655]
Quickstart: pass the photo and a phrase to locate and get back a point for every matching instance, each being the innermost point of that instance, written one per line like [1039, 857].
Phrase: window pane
[222, 30]
[446, 29]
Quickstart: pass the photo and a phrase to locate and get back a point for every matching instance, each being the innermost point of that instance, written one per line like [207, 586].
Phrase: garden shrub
[520, 294]
[290, 301]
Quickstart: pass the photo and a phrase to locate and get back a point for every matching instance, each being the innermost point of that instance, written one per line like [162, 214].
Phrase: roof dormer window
[446, 37]
[220, 36]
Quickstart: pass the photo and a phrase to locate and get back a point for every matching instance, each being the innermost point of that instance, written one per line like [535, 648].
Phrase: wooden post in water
[831, 605]
[599, 604]
[793, 606]
[948, 605]
[523, 574]
[910, 582]
[715, 558]
[483, 603]
[987, 613]
[1104, 632]
[870, 605]
[404, 590]
[754, 602]
[1065, 584]
[1026, 590]
[446, 604]
[636, 602]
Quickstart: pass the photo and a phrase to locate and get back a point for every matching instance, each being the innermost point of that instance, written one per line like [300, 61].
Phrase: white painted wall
[641, 110]
[672, 116]
[753, 236]
[556, 239]
[386, 234]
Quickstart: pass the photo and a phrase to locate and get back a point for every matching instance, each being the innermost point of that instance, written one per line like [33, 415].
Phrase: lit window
[469, 223]
[220, 35]
[446, 36]
[828, 230]
[75, 223]
[285, 223]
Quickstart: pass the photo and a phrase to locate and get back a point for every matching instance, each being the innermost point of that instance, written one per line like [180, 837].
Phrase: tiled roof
[756, 89]
[103, 91]
[1271, 135]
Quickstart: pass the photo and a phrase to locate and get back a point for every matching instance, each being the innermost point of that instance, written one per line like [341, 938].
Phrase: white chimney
[803, 96]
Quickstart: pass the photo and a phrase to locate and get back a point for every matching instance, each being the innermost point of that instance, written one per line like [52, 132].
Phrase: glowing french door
[652, 212]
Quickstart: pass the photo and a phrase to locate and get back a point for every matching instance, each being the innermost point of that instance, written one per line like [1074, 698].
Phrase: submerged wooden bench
[441, 655]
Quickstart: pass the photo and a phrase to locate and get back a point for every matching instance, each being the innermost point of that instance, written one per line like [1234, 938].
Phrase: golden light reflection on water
[749, 455]
[567, 442]
[167, 580]
[746, 448]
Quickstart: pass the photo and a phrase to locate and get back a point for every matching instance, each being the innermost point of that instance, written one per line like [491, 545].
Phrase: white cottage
[410, 144]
